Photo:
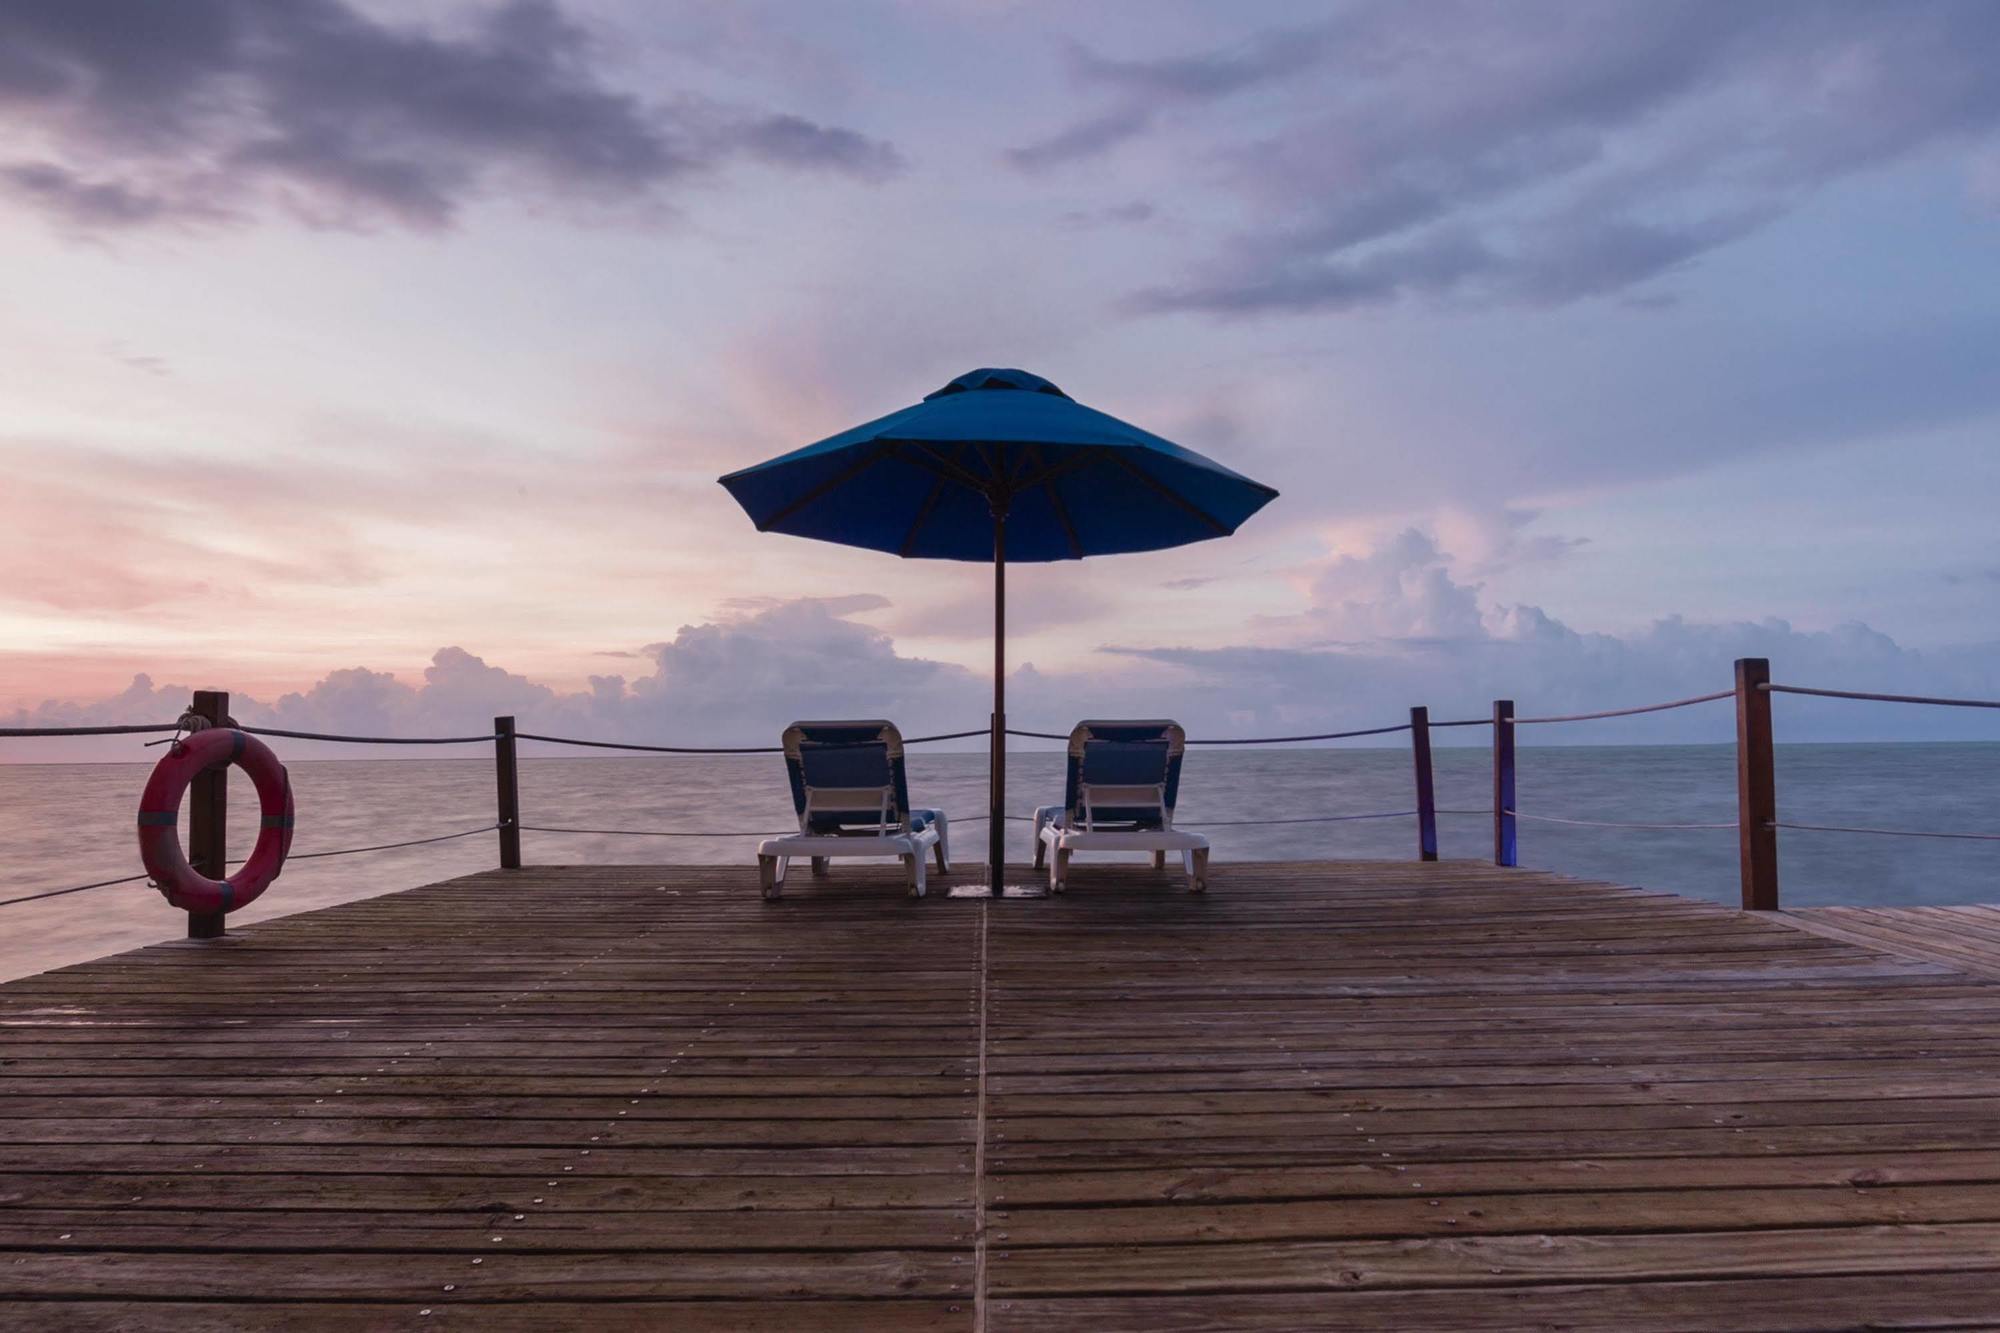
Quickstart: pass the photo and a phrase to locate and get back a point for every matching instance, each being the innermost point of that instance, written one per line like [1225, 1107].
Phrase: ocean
[64, 824]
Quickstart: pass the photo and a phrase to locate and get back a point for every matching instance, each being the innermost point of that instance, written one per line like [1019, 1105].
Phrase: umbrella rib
[925, 456]
[1062, 511]
[923, 516]
[1168, 492]
[1076, 459]
[832, 483]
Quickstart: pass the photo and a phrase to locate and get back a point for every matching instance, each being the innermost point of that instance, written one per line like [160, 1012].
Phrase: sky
[376, 361]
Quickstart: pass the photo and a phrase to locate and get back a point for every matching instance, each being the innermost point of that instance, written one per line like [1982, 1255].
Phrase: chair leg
[913, 873]
[820, 865]
[943, 845]
[768, 878]
[1059, 871]
[1041, 850]
[1198, 871]
[1160, 859]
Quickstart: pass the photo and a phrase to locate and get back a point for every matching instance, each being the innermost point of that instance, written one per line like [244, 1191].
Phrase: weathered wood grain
[1363, 1095]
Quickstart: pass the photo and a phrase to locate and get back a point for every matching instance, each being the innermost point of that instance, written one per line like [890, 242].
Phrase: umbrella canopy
[998, 465]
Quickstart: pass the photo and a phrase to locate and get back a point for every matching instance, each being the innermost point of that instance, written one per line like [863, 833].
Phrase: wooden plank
[1359, 1094]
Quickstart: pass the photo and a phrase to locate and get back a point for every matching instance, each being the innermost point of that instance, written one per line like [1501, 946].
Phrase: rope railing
[1613, 823]
[1880, 698]
[1625, 712]
[979, 818]
[57, 893]
[391, 846]
[369, 740]
[1237, 740]
[1883, 832]
[131, 729]
[292, 856]
[1757, 819]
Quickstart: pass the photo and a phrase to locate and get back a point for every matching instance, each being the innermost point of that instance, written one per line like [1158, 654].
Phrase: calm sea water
[73, 823]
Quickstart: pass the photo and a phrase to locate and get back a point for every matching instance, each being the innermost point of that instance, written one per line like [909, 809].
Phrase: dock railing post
[1420, 752]
[507, 782]
[1506, 849]
[208, 815]
[1756, 786]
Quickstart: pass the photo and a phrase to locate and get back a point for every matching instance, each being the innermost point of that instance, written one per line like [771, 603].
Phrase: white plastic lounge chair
[1123, 779]
[852, 798]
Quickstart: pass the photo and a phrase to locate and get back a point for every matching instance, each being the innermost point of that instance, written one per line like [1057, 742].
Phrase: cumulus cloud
[1536, 153]
[124, 115]
[739, 679]
[1400, 590]
[733, 681]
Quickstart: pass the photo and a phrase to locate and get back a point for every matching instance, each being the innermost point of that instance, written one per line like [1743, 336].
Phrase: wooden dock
[1355, 1095]
[1967, 937]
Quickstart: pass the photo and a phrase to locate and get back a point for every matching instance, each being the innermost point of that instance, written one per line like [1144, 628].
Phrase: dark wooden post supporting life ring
[208, 816]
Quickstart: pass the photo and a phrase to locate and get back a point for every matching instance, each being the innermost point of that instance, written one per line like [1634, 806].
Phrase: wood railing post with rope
[1506, 847]
[208, 815]
[1756, 786]
[1420, 752]
[507, 778]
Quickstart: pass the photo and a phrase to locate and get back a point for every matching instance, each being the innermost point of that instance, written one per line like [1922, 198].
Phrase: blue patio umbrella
[998, 465]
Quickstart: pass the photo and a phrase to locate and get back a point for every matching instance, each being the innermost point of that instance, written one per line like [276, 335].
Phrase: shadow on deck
[1352, 1094]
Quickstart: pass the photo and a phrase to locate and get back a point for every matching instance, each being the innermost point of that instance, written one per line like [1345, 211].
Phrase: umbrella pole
[996, 828]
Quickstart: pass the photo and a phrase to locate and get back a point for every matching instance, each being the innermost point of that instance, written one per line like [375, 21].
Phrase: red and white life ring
[160, 815]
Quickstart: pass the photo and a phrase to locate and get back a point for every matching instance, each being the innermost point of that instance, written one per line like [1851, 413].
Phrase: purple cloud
[1537, 153]
[137, 115]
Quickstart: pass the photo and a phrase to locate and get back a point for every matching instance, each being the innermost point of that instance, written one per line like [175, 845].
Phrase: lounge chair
[853, 800]
[1123, 779]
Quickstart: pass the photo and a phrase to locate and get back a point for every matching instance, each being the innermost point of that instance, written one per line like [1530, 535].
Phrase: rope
[368, 740]
[1886, 832]
[57, 893]
[1312, 819]
[386, 846]
[725, 749]
[1288, 740]
[294, 856]
[1883, 698]
[1245, 740]
[89, 731]
[1628, 712]
[652, 749]
[1606, 823]
[663, 833]
[1466, 722]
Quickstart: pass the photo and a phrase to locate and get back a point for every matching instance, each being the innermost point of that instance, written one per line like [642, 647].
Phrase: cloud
[1137, 212]
[789, 141]
[1400, 590]
[211, 110]
[740, 679]
[732, 681]
[1148, 88]
[1538, 153]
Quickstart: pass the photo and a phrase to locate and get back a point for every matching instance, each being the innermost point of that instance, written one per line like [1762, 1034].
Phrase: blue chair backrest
[1124, 754]
[851, 755]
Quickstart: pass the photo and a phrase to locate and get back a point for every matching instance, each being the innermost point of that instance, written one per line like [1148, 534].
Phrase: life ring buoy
[160, 816]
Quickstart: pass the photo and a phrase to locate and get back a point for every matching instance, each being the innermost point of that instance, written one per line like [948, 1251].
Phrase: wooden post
[1427, 817]
[208, 816]
[1506, 851]
[508, 782]
[1756, 786]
